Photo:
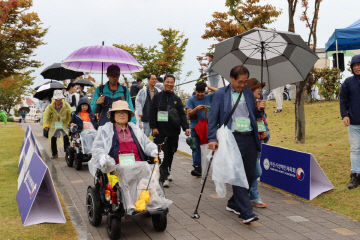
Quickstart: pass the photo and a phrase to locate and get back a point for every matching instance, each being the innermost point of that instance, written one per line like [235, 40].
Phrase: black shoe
[278, 110]
[354, 180]
[196, 172]
[54, 156]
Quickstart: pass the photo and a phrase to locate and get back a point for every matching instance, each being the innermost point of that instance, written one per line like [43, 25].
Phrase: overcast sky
[77, 23]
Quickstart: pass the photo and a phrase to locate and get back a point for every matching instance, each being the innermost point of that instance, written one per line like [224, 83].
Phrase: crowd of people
[160, 112]
[114, 111]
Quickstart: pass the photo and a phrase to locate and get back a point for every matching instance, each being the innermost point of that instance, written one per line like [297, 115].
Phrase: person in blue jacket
[350, 113]
[106, 94]
[245, 130]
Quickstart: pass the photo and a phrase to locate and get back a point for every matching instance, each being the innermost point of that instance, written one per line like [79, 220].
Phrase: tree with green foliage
[21, 33]
[166, 57]
[328, 81]
[12, 89]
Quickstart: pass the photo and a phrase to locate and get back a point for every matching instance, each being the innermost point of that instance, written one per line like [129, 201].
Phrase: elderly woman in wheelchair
[121, 154]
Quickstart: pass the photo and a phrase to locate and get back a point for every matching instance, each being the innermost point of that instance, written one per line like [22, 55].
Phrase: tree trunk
[291, 27]
[300, 112]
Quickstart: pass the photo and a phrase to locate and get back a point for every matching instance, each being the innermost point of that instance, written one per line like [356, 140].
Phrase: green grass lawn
[10, 220]
[327, 140]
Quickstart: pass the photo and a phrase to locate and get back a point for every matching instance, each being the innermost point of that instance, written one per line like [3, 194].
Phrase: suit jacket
[221, 106]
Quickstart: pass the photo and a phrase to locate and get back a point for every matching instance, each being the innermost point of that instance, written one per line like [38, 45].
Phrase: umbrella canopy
[57, 72]
[84, 82]
[24, 109]
[46, 90]
[276, 58]
[36, 88]
[96, 59]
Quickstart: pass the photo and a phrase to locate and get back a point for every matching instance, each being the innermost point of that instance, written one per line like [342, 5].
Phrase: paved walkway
[285, 218]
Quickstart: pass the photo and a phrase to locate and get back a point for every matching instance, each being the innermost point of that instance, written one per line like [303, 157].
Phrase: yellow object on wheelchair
[113, 179]
[140, 205]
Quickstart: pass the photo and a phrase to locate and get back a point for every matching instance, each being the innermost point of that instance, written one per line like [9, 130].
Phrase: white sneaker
[232, 210]
[166, 183]
[170, 178]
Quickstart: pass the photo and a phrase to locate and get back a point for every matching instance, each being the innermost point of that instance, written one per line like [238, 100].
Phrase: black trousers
[170, 147]
[240, 200]
[54, 145]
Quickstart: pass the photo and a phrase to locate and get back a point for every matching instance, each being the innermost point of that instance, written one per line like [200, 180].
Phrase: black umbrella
[25, 109]
[276, 58]
[57, 72]
[46, 90]
[84, 82]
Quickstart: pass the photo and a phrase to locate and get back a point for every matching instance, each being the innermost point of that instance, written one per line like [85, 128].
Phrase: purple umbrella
[95, 59]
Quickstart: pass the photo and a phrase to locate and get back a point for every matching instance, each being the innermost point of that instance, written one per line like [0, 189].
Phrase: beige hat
[58, 95]
[120, 106]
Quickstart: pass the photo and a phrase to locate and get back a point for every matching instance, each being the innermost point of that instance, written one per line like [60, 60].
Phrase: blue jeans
[354, 139]
[253, 192]
[146, 128]
[196, 154]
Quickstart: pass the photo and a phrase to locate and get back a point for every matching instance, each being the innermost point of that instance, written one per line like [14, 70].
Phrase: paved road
[285, 218]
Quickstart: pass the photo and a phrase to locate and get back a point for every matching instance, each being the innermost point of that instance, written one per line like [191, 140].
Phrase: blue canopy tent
[344, 39]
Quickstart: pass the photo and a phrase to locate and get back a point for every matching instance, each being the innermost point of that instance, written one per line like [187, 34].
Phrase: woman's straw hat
[120, 106]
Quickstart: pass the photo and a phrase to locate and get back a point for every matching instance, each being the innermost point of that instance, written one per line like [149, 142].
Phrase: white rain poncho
[141, 99]
[227, 165]
[87, 139]
[129, 177]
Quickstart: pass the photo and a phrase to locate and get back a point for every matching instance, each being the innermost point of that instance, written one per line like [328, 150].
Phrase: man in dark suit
[244, 127]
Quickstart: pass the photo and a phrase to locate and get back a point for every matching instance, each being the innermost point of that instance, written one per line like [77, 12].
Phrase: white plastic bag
[134, 179]
[204, 159]
[87, 139]
[227, 165]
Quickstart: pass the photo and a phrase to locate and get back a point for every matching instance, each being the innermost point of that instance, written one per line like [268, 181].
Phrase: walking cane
[196, 214]
[158, 161]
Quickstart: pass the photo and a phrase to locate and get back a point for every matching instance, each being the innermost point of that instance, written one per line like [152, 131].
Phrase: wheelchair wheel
[113, 227]
[159, 221]
[94, 208]
[77, 161]
[69, 156]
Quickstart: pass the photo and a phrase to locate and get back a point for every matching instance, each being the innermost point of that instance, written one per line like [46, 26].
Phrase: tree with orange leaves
[5, 7]
[241, 17]
[20, 34]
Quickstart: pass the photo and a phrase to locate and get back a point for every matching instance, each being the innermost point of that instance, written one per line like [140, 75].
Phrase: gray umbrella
[276, 58]
[84, 82]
